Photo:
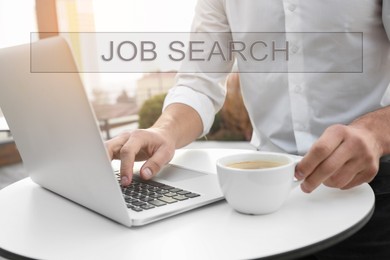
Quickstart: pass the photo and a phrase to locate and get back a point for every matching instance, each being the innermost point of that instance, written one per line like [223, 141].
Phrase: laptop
[58, 137]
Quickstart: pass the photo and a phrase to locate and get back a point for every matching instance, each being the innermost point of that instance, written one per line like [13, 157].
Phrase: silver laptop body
[58, 137]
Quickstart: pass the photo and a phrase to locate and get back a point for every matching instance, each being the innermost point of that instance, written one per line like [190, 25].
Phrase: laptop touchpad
[175, 173]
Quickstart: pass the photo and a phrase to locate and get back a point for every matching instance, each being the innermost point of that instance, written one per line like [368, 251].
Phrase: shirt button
[292, 7]
[294, 49]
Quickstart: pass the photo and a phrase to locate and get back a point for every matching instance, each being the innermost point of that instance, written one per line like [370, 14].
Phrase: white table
[36, 223]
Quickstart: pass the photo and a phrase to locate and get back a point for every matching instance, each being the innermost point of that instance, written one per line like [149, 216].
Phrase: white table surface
[39, 224]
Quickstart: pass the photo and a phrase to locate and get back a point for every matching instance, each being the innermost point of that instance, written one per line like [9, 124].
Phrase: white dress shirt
[289, 111]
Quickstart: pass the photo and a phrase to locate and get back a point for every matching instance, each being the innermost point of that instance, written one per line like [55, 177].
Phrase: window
[17, 20]
[121, 94]
[16, 23]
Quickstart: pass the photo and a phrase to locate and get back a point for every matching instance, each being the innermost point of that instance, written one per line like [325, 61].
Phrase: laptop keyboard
[143, 195]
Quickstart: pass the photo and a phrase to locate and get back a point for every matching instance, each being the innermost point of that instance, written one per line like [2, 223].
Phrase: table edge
[13, 256]
[323, 244]
[301, 252]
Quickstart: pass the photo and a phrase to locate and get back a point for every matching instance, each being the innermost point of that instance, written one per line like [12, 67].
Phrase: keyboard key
[175, 190]
[130, 200]
[162, 191]
[183, 192]
[142, 197]
[191, 195]
[157, 203]
[128, 192]
[138, 203]
[155, 195]
[136, 196]
[134, 208]
[166, 187]
[167, 199]
[145, 192]
[170, 194]
[147, 206]
[156, 184]
[180, 197]
[146, 199]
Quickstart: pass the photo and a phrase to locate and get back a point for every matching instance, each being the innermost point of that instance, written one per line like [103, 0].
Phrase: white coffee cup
[257, 191]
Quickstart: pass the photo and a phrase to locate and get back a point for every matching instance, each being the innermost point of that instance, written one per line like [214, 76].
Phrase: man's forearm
[181, 123]
[378, 123]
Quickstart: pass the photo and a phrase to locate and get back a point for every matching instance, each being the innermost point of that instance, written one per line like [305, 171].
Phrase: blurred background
[122, 101]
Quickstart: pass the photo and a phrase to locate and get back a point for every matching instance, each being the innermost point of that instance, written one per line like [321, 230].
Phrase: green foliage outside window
[150, 111]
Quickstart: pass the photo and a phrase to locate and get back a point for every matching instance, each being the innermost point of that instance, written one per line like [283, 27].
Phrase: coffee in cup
[259, 164]
[257, 182]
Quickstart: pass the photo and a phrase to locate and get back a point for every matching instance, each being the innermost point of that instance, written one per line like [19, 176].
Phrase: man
[339, 120]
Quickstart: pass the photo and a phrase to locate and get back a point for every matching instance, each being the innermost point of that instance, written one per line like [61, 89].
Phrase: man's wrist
[377, 125]
[180, 124]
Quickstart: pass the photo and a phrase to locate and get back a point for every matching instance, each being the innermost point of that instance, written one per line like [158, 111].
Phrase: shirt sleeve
[386, 23]
[201, 85]
[386, 16]
[385, 101]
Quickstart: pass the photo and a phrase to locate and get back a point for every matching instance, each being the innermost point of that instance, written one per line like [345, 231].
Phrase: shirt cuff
[386, 97]
[198, 101]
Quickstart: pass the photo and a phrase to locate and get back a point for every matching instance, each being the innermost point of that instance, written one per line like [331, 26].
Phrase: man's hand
[178, 126]
[152, 145]
[343, 157]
